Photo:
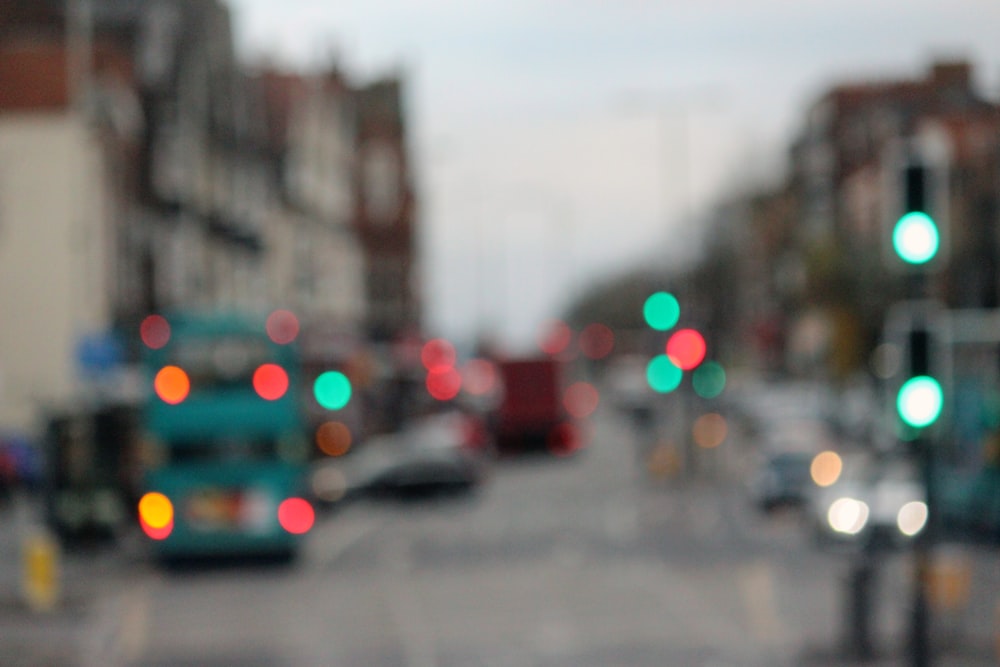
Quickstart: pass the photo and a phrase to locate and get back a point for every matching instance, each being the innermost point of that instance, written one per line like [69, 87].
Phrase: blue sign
[99, 353]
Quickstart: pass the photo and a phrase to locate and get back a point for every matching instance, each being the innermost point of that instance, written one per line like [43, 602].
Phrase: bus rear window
[214, 363]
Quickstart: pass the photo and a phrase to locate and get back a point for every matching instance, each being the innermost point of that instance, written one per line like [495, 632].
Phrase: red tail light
[296, 516]
[270, 381]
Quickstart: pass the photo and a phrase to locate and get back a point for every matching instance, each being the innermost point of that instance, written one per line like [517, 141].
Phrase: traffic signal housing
[916, 238]
[920, 398]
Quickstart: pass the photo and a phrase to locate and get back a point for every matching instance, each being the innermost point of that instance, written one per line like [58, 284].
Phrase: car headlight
[912, 517]
[848, 515]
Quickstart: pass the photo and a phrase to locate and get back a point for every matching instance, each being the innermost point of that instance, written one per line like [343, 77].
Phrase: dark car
[437, 455]
[782, 480]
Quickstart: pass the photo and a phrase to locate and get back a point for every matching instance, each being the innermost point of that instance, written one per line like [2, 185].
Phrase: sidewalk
[965, 635]
[64, 635]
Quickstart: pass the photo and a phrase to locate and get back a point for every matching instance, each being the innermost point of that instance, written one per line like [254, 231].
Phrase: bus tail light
[156, 515]
[296, 516]
[172, 384]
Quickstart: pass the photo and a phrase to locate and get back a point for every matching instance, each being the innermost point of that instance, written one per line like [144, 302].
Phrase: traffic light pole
[920, 619]
[920, 649]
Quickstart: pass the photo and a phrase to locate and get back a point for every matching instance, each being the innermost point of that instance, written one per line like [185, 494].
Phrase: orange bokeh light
[333, 438]
[710, 430]
[172, 384]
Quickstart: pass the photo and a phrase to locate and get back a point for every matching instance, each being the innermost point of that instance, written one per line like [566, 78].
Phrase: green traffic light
[709, 379]
[663, 374]
[332, 390]
[920, 401]
[661, 311]
[915, 238]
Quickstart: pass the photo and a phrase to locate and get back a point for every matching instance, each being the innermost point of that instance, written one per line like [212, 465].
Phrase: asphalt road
[575, 562]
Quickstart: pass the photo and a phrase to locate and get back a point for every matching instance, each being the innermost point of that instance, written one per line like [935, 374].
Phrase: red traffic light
[686, 348]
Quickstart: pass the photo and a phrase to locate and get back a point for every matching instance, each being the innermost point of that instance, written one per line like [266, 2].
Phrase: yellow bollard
[40, 583]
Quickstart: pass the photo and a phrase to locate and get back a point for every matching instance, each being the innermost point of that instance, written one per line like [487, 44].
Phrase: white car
[876, 502]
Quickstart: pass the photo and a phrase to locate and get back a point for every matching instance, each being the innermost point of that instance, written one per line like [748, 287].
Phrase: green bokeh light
[663, 375]
[920, 401]
[915, 238]
[709, 379]
[661, 311]
[332, 390]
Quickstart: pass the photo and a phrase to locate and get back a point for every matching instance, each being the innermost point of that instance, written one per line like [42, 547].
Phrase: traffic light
[916, 238]
[920, 399]
[916, 233]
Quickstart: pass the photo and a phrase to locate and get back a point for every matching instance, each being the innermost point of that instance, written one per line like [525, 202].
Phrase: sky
[561, 142]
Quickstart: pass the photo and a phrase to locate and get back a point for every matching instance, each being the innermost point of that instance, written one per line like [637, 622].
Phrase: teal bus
[225, 451]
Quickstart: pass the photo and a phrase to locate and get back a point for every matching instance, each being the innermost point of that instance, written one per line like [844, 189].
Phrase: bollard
[40, 577]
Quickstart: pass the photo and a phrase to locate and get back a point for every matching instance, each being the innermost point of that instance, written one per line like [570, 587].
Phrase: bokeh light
[333, 438]
[444, 384]
[848, 515]
[912, 517]
[663, 374]
[282, 327]
[581, 399]
[156, 510]
[332, 390]
[270, 381]
[438, 354]
[661, 311]
[709, 379]
[172, 384]
[710, 430]
[329, 484]
[563, 440]
[296, 516]
[826, 468]
[664, 461]
[686, 348]
[479, 377]
[156, 533]
[556, 338]
[155, 332]
[920, 401]
[915, 238]
[597, 341]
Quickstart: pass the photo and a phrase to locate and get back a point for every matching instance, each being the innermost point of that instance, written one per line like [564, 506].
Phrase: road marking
[135, 622]
[122, 630]
[404, 608]
[758, 589]
[323, 554]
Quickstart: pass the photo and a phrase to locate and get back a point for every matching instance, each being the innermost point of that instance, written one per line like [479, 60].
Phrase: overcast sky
[558, 141]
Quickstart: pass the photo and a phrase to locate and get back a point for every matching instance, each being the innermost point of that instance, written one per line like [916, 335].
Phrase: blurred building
[70, 128]
[142, 169]
[828, 273]
[315, 263]
[385, 211]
